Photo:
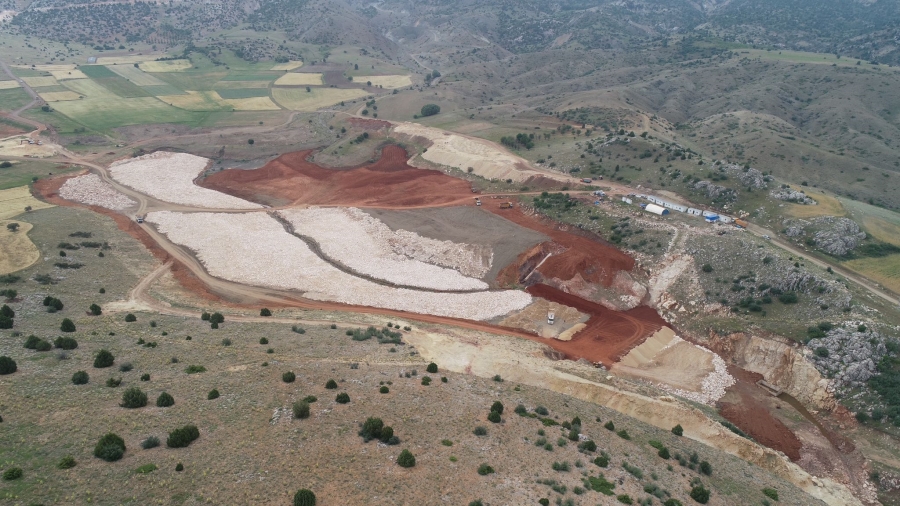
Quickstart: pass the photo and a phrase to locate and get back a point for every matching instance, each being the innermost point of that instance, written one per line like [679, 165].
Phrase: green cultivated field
[243, 93]
[11, 100]
[22, 172]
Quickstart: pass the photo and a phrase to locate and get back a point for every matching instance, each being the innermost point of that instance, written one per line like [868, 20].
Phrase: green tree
[67, 325]
[110, 448]
[265, 312]
[130, 318]
[301, 410]
[304, 497]
[288, 377]
[331, 384]
[183, 436]
[133, 398]
[80, 378]
[103, 359]
[250, 141]
[430, 109]
[342, 398]
[213, 394]
[12, 227]
[700, 494]
[95, 310]
[496, 406]
[7, 365]
[165, 400]
[433, 369]
[677, 430]
[406, 459]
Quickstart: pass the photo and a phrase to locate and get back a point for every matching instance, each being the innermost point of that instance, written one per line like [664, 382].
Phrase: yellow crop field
[135, 75]
[298, 99]
[165, 66]
[8, 85]
[16, 249]
[40, 81]
[885, 270]
[252, 104]
[828, 206]
[14, 201]
[122, 60]
[68, 74]
[89, 88]
[882, 230]
[50, 67]
[239, 85]
[291, 65]
[196, 101]
[398, 81]
[297, 79]
[59, 96]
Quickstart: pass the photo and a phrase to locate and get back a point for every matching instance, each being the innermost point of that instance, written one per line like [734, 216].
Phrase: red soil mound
[609, 334]
[571, 253]
[369, 124]
[389, 182]
[751, 416]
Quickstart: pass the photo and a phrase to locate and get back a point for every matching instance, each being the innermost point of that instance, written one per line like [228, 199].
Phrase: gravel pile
[254, 249]
[713, 386]
[368, 246]
[91, 190]
[170, 177]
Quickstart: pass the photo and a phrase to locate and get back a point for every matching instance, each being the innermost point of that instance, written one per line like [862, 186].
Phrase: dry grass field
[17, 252]
[9, 85]
[68, 74]
[196, 101]
[136, 75]
[298, 99]
[252, 104]
[14, 201]
[59, 96]
[299, 79]
[884, 270]
[827, 206]
[288, 66]
[40, 81]
[391, 82]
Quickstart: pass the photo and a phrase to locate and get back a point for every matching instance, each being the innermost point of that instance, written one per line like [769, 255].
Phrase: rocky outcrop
[780, 364]
[834, 235]
[848, 356]
[793, 196]
[714, 191]
[748, 176]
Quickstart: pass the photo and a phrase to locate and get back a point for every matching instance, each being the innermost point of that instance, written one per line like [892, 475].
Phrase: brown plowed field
[609, 335]
[389, 182]
[591, 257]
[369, 124]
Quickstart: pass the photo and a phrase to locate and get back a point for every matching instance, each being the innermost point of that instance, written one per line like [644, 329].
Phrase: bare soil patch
[469, 224]
[389, 182]
[608, 335]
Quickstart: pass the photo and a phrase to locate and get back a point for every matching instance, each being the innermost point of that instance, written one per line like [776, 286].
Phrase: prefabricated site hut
[655, 209]
[667, 204]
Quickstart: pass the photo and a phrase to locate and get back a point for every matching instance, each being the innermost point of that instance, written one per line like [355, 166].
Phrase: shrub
[432, 368]
[7, 311]
[103, 359]
[67, 462]
[371, 429]
[406, 459]
[426, 381]
[497, 406]
[588, 446]
[480, 431]
[541, 410]
[126, 367]
[179, 467]
[599, 484]
[706, 468]
[342, 398]
[195, 369]
[610, 425]
[43, 346]
[263, 340]
[31, 342]
[182, 437]
[497, 378]
[110, 448]
[216, 318]
[80, 378]
[113, 382]
[226, 342]
[204, 316]
[150, 442]
[485, 470]
[65, 343]
[145, 377]
[331, 384]
[67, 325]
[133, 398]
[602, 461]
[771, 493]
[446, 442]
[478, 502]
[560, 466]
[707, 268]
[288, 377]
[130, 318]
[52, 303]
[213, 394]
[788, 298]
[632, 470]
[95, 310]
[384, 390]
[623, 434]
[677, 430]
[624, 499]
[13, 473]
[494, 417]
[7, 365]
[700, 494]
[164, 400]
[304, 497]
[146, 468]
[265, 312]
[672, 502]
[301, 409]
[664, 453]
[6, 322]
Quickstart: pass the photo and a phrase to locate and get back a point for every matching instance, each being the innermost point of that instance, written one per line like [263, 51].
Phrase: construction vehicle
[741, 223]
[139, 219]
[506, 205]
[551, 318]
[587, 180]
[477, 201]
